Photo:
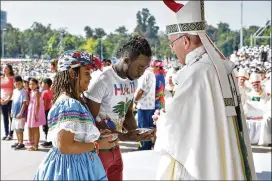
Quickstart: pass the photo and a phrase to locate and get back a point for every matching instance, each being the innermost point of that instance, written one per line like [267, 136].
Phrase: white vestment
[243, 91]
[195, 136]
[265, 133]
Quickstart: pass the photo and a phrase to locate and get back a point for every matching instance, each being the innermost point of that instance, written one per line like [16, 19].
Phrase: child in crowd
[27, 89]
[18, 112]
[36, 115]
[47, 98]
[26, 86]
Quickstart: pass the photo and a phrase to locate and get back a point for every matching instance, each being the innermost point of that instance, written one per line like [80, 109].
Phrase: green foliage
[146, 26]
[100, 47]
[88, 46]
[40, 40]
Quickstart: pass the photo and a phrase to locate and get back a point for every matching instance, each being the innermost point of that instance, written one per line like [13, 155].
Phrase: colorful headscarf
[159, 63]
[97, 63]
[72, 59]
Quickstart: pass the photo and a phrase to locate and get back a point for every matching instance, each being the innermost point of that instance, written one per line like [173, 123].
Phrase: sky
[109, 15]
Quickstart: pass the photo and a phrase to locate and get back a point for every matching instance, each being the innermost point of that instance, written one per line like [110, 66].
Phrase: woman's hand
[3, 102]
[105, 143]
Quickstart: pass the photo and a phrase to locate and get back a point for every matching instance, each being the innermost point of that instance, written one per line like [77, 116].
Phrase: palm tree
[121, 109]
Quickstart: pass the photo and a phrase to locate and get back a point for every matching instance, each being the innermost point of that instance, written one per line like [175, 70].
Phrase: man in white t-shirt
[110, 100]
[145, 99]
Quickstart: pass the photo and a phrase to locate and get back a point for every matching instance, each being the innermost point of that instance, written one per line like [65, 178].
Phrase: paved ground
[22, 164]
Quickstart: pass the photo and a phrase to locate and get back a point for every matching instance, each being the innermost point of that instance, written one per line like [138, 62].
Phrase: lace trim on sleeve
[78, 128]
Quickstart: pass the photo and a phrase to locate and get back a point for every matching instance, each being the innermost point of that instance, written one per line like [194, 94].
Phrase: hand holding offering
[156, 115]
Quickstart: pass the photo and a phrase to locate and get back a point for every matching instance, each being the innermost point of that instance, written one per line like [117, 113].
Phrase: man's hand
[136, 135]
[102, 125]
[146, 136]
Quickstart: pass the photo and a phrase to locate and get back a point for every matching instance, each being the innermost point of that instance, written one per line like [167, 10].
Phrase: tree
[68, 43]
[41, 39]
[12, 47]
[223, 28]
[38, 27]
[99, 33]
[88, 32]
[212, 32]
[121, 30]
[251, 30]
[89, 45]
[164, 51]
[51, 48]
[100, 46]
[146, 26]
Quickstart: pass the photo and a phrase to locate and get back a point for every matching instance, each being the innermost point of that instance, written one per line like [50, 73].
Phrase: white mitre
[255, 78]
[243, 73]
[188, 19]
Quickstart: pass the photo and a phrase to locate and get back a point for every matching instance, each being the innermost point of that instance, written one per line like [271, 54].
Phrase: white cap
[243, 73]
[189, 17]
[255, 77]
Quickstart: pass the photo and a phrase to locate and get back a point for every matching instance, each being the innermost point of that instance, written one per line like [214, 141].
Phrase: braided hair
[63, 83]
[136, 46]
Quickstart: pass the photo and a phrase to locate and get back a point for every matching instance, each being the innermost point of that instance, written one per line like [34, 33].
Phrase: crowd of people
[253, 70]
[26, 101]
[192, 113]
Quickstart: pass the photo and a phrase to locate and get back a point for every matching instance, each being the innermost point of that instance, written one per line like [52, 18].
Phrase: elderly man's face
[176, 42]
[263, 75]
[257, 87]
[241, 81]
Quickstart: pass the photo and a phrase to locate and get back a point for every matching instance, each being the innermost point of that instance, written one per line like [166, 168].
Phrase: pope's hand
[156, 115]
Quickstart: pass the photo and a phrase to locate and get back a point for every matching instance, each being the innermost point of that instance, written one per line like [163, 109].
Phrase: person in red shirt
[47, 96]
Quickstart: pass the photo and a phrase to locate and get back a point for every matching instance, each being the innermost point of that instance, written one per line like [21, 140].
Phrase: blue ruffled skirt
[58, 166]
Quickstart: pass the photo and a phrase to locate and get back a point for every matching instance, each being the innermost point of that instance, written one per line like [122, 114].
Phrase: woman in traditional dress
[71, 126]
